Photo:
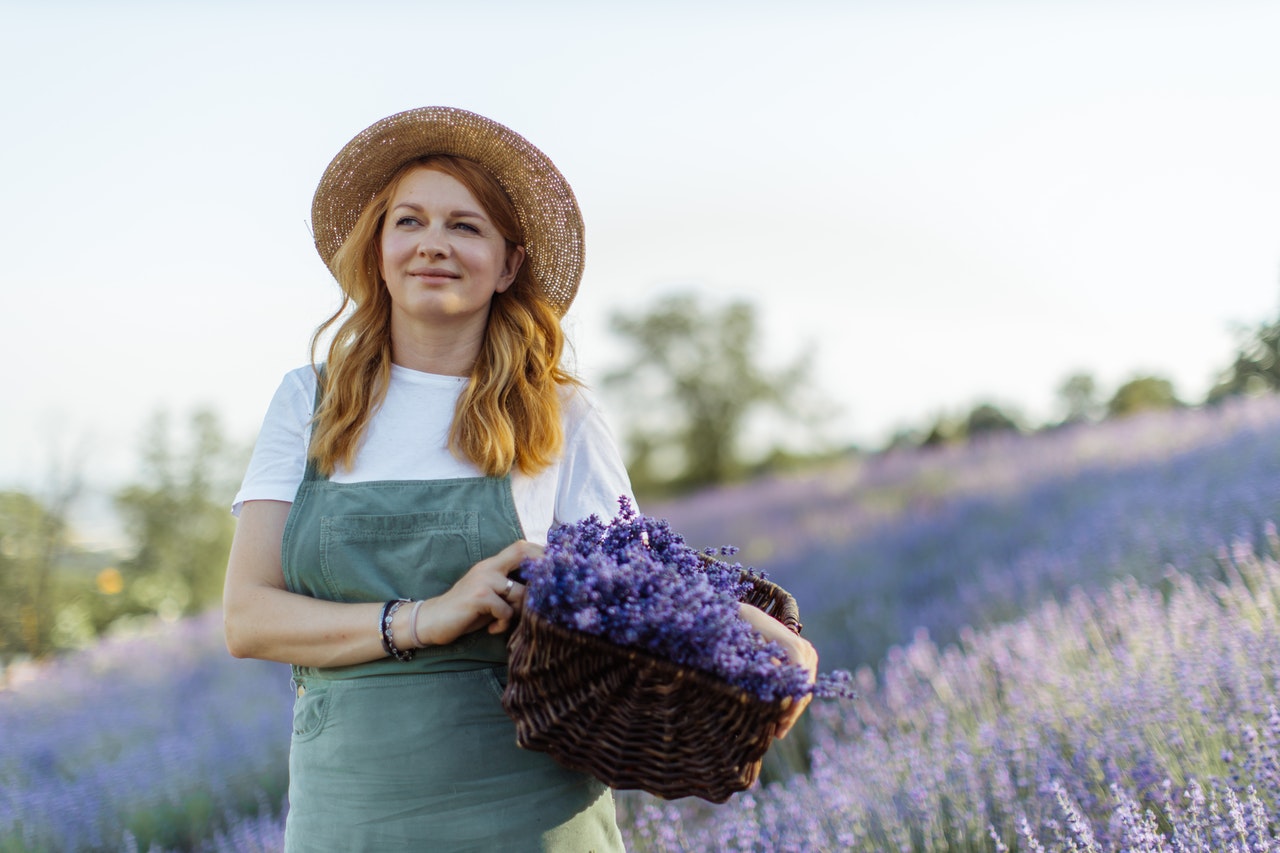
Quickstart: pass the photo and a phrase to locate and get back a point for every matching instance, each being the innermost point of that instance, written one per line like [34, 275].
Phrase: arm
[265, 620]
[798, 650]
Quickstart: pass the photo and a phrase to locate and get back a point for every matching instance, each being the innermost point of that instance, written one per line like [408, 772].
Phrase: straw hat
[548, 211]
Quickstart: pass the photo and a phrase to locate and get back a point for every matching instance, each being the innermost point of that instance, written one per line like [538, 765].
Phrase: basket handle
[768, 596]
[786, 611]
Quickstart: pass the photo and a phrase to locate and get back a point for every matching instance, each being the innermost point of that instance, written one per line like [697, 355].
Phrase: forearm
[263, 619]
[767, 625]
[797, 650]
[275, 624]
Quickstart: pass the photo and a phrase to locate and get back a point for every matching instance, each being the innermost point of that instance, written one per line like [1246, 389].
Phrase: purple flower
[635, 582]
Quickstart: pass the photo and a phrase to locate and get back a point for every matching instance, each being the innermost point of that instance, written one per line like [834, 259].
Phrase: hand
[798, 651]
[478, 600]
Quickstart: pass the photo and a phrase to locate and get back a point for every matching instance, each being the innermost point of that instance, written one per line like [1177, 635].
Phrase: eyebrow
[453, 214]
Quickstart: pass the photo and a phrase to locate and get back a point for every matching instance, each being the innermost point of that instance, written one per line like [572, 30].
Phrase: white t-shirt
[407, 439]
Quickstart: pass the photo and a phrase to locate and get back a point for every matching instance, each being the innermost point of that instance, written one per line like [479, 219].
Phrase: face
[441, 257]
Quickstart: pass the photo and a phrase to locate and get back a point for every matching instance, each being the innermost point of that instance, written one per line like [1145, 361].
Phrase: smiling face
[441, 256]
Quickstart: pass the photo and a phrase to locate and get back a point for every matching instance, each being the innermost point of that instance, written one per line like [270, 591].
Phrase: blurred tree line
[691, 385]
[178, 525]
[1078, 396]
[707, 360]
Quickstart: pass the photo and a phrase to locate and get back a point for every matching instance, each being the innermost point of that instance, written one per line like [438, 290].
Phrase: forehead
[423, 185]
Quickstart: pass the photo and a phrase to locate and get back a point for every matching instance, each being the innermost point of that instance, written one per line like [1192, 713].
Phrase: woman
[394, 491]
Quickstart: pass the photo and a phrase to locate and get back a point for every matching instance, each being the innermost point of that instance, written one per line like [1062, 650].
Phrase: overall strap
[312, 473]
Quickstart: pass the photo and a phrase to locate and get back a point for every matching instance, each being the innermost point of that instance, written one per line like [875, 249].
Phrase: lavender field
[971, 535]
[1064, 642]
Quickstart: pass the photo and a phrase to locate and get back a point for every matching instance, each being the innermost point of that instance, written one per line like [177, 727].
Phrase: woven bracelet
[388, 641]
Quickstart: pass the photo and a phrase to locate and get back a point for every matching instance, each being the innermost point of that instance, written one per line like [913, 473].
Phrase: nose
[433, 244]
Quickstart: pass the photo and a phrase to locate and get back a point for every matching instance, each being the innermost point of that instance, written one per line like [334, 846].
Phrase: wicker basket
[636, 721]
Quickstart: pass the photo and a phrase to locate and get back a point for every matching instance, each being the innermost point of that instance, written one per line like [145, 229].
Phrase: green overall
[392, 756]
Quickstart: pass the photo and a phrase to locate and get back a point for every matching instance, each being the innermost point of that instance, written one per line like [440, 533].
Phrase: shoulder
[301, 379]
[583, 418]
[300, 383]
[279, 454]
[578, 404]
[294, 400]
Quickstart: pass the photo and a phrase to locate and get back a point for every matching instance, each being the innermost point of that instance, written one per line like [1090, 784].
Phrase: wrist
[410, 626]
[392, 630]
[402, 632]
[415, 635]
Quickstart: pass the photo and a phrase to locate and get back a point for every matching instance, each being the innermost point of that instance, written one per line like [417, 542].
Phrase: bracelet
[388, 641]
[413, 622]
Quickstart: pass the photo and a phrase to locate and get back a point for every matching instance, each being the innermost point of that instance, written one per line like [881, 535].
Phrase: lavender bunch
[634, 582]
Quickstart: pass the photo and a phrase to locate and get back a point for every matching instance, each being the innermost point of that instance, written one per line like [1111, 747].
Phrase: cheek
[387, 254]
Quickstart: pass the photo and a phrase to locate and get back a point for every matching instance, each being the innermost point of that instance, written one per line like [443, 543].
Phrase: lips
[433, 273]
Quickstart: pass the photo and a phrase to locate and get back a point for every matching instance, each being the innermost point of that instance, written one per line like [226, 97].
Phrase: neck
[428, 350]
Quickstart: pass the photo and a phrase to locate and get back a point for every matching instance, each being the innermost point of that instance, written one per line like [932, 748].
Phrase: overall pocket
[414, 555]
[310, 710]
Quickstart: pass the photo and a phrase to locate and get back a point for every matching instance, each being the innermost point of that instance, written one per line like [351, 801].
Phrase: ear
[515, 259]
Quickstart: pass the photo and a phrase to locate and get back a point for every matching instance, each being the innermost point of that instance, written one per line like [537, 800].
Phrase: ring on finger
[507, 589]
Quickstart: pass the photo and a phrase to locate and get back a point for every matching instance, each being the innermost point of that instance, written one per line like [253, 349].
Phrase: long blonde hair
[508, 416]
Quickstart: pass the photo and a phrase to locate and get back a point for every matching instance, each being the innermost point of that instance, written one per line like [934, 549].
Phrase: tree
[988, 419]
[1142, 393]
[982, 420]
[944, 430]
[35, 538]
[1078, 395]
[1256, 367]
[178, 517]
[690, 386]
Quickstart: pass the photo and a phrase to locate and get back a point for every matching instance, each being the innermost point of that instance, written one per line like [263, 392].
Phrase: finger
[516, 553]
[794, 710]
[788, 722]
[502, 613]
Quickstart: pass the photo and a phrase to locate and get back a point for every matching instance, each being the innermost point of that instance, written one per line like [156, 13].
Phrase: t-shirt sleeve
[592, 474]
[279, 457]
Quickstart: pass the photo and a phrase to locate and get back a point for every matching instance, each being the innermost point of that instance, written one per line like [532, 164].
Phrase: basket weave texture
[637, 721]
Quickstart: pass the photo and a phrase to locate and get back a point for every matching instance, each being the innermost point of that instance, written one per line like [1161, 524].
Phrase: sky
[947, 202]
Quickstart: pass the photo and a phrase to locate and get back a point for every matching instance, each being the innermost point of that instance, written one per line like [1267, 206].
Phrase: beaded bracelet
[388, 641]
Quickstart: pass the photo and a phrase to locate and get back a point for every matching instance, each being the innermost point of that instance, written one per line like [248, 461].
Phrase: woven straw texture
[635, 721]
[548, 212]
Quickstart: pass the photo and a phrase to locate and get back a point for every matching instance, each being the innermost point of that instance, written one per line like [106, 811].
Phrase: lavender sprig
[635, 582]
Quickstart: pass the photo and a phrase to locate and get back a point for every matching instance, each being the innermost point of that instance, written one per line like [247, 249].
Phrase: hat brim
[544, 202]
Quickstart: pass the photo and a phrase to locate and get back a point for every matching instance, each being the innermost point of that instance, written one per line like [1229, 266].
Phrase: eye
[406, 220]
[466, 226]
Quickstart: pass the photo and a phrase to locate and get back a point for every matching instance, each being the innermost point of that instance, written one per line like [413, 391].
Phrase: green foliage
[943, 430]
[178, 517]
[1078, 396]
[1142, 393]
[33, 537]
[692, 382]
[982, 419]
[60, 597]
[987, 418]
[57, 596]
[1257, 364]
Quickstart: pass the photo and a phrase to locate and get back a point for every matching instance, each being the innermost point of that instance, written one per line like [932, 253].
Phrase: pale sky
[953, 202]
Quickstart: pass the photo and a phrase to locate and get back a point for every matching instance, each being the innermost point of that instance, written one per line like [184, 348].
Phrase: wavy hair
[508, 416]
